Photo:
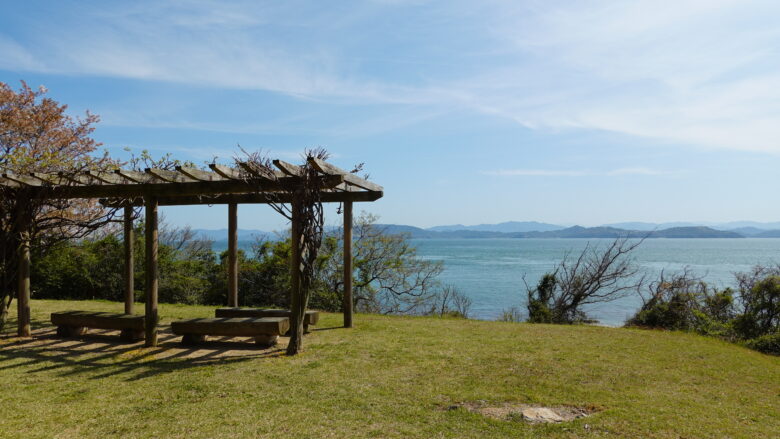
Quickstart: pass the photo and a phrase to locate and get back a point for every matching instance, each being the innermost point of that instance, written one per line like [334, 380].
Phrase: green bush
[768, 344]
[685, 303]
[761, 308]
[751, 315]
[540, 300]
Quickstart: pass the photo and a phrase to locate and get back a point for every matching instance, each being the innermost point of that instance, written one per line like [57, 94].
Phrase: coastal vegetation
[596, 275]
[749, 314]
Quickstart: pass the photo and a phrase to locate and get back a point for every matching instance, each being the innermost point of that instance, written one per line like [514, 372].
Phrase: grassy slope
[390, 377]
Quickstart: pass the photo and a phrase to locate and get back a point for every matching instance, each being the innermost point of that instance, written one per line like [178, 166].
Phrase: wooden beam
[226, 171]
[129, 271]
[261, 172]
[81, 179]
[198, 174]
[23, 180]
[232, 254]
[137, 177]
[170, 189]
[152, 275]
[327, 168]
[191, 200]
[23, 288]
[346, 187]
[106, 177]
[9, 183]
[347, 305]
[288, 168]
[50, 179]
[170, 176]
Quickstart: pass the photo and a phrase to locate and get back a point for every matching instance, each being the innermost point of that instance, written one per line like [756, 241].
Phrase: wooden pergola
[247, 184]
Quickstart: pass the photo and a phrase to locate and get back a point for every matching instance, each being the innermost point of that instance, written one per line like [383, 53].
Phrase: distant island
[534, 229]
[570, 232]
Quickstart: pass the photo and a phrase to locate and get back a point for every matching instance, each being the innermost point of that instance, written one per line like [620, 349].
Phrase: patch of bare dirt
[532, 413]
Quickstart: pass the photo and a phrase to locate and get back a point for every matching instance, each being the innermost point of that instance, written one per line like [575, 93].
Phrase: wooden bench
[312, 317]
[74, 323]
[265, 330]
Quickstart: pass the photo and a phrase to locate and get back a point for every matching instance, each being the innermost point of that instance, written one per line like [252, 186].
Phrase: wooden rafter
[288, 168]
[254, 171]
[23, 180]
[198, 174]
[170, 176]
[226, 171]
[106, 177]
[327, 168]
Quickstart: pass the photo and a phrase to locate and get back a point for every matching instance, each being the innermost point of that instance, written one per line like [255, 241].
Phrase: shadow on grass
[326, 329]
[100, 354]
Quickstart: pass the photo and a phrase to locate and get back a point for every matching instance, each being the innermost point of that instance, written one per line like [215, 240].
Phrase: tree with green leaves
[390, 278]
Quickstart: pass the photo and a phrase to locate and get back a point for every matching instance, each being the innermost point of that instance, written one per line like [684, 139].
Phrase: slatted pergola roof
[188, 186]
[248, 183]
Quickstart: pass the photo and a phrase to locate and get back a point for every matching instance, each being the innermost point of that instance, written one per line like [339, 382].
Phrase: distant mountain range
[533, 229]
[570, 232]
[222, 234]
[506, 227]
[747, 226]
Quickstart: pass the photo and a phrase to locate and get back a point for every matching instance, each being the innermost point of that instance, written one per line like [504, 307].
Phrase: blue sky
[583, 112]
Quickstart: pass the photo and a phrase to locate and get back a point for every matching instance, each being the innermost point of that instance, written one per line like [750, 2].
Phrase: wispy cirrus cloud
[573, 173]
[701, 73]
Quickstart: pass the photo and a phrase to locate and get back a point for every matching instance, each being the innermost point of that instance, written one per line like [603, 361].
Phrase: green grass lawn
[388, 377]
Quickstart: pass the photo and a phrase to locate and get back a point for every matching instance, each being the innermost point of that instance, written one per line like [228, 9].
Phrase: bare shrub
[596, 275]
[451, 302]
[511, 314]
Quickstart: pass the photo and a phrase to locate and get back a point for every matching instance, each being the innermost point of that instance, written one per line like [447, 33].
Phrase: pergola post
[151, 271]
[347, 264]
[297, 307]
[129, 241]
[233, 254]
[23, 290]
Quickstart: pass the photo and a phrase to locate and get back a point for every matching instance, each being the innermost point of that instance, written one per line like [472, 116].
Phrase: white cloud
[572, 173]
[697, 72]
[15, 56]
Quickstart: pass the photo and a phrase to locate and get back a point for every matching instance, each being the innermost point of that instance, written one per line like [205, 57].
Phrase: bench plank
[100, 320]
[312, 317]
[238, 327]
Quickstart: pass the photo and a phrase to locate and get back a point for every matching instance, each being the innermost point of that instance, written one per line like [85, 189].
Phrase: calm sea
[490, 271]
